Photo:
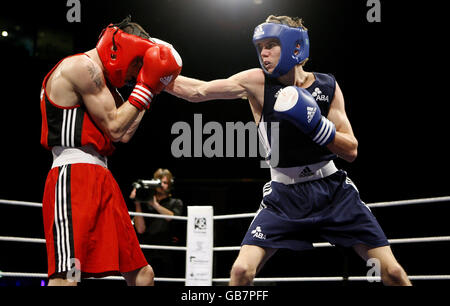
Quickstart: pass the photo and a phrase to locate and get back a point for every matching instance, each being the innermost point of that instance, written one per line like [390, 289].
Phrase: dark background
[392, 75]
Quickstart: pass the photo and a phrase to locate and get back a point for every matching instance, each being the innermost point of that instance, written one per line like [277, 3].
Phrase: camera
[146, 189]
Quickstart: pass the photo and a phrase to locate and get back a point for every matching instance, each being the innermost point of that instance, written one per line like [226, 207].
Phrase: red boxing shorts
[86, 223]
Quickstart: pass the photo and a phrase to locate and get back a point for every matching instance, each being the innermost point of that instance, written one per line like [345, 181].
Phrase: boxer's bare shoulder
[84, 73]
[62, 84]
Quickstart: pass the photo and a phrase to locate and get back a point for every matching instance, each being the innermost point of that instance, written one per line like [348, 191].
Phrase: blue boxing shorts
[294, 216]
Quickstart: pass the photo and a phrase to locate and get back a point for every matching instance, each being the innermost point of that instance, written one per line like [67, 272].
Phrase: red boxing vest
[70, 126]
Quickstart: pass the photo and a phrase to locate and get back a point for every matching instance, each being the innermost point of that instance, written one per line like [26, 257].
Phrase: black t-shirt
[159, 230]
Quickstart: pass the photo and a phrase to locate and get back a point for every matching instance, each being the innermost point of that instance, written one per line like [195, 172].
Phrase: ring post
[199, 246]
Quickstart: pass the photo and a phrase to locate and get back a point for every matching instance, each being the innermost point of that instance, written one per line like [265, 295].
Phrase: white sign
[199, 246]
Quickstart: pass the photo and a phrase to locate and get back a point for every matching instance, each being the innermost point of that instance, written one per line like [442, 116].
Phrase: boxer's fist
[161, 65]
[298, 106]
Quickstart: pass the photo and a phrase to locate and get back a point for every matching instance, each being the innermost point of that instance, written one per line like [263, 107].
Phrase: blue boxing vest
[295, 148]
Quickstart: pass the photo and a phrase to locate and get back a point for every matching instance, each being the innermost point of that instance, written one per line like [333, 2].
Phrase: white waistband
[86, 155]
[304, 173]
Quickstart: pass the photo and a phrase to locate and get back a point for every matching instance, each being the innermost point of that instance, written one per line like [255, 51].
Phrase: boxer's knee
[61, 282]
[394, 275]
[140, 277]
[242, 274]
[145, 276]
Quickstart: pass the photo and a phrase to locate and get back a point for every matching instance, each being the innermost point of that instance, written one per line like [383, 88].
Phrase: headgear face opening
[117, 50]
[294, 43]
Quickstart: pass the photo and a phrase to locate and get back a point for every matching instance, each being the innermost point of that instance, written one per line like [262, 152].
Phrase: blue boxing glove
[298, 106]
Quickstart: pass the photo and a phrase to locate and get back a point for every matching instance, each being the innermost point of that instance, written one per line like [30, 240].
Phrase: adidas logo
[348, 181]
[278, 93]
[306, 172]
[317, 94]
[166, 80]
[257, 233]
[267, 189]
[258, 31]
[311, 111]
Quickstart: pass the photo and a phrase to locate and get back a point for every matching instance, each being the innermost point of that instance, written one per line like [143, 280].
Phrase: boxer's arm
[130, 132]
[88, 81]
[344, 144]
[242, 84]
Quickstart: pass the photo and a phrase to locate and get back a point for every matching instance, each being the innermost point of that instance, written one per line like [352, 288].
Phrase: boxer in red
[87, 227]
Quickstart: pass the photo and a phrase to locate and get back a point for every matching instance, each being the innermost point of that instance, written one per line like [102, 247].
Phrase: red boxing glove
[161, 65]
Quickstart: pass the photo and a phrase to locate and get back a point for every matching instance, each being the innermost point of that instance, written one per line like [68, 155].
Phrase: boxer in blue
[307, 197]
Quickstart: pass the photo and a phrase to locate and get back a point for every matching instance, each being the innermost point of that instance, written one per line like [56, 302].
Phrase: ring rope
[409, 202]
[21, 203]
[246, 215]
[236, 248]
[143, 246]
[235, 216]
[44, 275]
[261, 279]
[327, 244]
[132, 213]
[372, 205]
[157, 216]
[249, 215]
[334, 278]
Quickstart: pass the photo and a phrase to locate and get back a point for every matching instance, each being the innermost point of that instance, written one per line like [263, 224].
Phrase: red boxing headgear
[117, 50]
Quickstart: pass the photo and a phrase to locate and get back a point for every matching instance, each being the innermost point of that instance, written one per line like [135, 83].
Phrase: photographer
[155, 197]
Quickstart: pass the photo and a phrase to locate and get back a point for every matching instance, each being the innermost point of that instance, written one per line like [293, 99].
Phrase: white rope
[429, 277]
[44, 275]
[20, 274]
[327, 244]
[233, 248]
[372, 205]
[247, 215]
[230, 248]
[21, 239]
[333, 278]
[34, 204]
[162, 247]
[259, 279]
[397, 241]
[411, 277]
[156, 279]
[143, 246]
[237, 248]
[157, 216]
[235, 216]
[287, 279]
[409, 202]
[417, 240]
[21, 203]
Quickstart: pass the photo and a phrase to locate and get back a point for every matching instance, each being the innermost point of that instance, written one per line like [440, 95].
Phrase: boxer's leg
[249, 262]
[140, 277]
[392, 274]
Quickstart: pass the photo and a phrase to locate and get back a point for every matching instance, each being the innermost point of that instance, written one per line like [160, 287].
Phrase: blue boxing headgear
[289, 39]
